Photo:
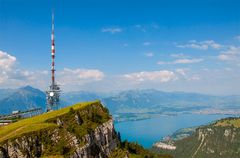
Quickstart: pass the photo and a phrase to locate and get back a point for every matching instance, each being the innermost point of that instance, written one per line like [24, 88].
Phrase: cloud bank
[156, 76]
[181, 61]
[202, 45]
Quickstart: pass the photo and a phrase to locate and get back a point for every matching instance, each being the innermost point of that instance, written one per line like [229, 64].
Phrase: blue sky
[111, 45]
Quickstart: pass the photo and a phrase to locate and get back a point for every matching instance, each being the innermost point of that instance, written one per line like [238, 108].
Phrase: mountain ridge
[22, 99]
[132, 101]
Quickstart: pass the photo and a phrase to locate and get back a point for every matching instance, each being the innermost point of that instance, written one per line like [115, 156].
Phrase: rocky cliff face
[87, 133]
[98, 143]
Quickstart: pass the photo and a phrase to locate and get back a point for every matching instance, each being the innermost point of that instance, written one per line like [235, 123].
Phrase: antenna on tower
[53, 92]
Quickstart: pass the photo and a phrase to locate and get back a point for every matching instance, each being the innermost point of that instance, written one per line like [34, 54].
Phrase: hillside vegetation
[81, 130]
[235, 122]
[217, 140]
[46, 120]
[134, 150]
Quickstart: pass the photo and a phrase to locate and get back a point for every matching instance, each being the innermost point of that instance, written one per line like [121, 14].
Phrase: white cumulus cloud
[181, 71]
[149, 54]
[185, 74]
[181, 61]
[180, 55]
[187, 61]
[112, 30]
[11, 76]
[231, 54]
[202, 45]
[157, 76]
[79, 76]
[7, 61]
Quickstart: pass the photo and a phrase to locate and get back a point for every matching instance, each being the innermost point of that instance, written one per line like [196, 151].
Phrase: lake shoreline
[162, 126]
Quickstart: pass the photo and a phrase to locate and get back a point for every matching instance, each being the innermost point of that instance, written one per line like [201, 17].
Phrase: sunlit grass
[37, 122]
[134, 156]
[229, 122]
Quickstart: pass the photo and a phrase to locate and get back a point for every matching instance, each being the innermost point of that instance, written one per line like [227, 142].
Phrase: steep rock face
[98, 143]
[87, 133]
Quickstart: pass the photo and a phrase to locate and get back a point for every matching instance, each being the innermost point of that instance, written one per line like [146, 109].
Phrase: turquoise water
[148, 131]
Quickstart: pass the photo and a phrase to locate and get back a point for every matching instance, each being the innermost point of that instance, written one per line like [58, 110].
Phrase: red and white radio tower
[53, 93]
[53, 49]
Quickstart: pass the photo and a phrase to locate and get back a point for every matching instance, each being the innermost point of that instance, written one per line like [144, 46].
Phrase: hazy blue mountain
[154, 101]
[22, 99]
[132, 101]
[81, 96]
[4, 93]
[28, 97]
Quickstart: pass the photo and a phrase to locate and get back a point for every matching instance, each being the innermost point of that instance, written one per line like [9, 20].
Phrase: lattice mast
[53, 51]
[53, 93]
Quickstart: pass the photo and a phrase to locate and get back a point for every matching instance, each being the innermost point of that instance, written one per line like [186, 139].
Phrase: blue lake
[148, 131]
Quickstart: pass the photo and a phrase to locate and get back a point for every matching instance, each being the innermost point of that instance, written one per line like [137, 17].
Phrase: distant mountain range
[154, 101]
[81, 96]
[21, 99]
[126, 102]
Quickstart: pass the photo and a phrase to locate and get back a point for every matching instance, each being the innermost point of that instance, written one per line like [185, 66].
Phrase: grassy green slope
[91, 115]
[38, 122]
[235, 122]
